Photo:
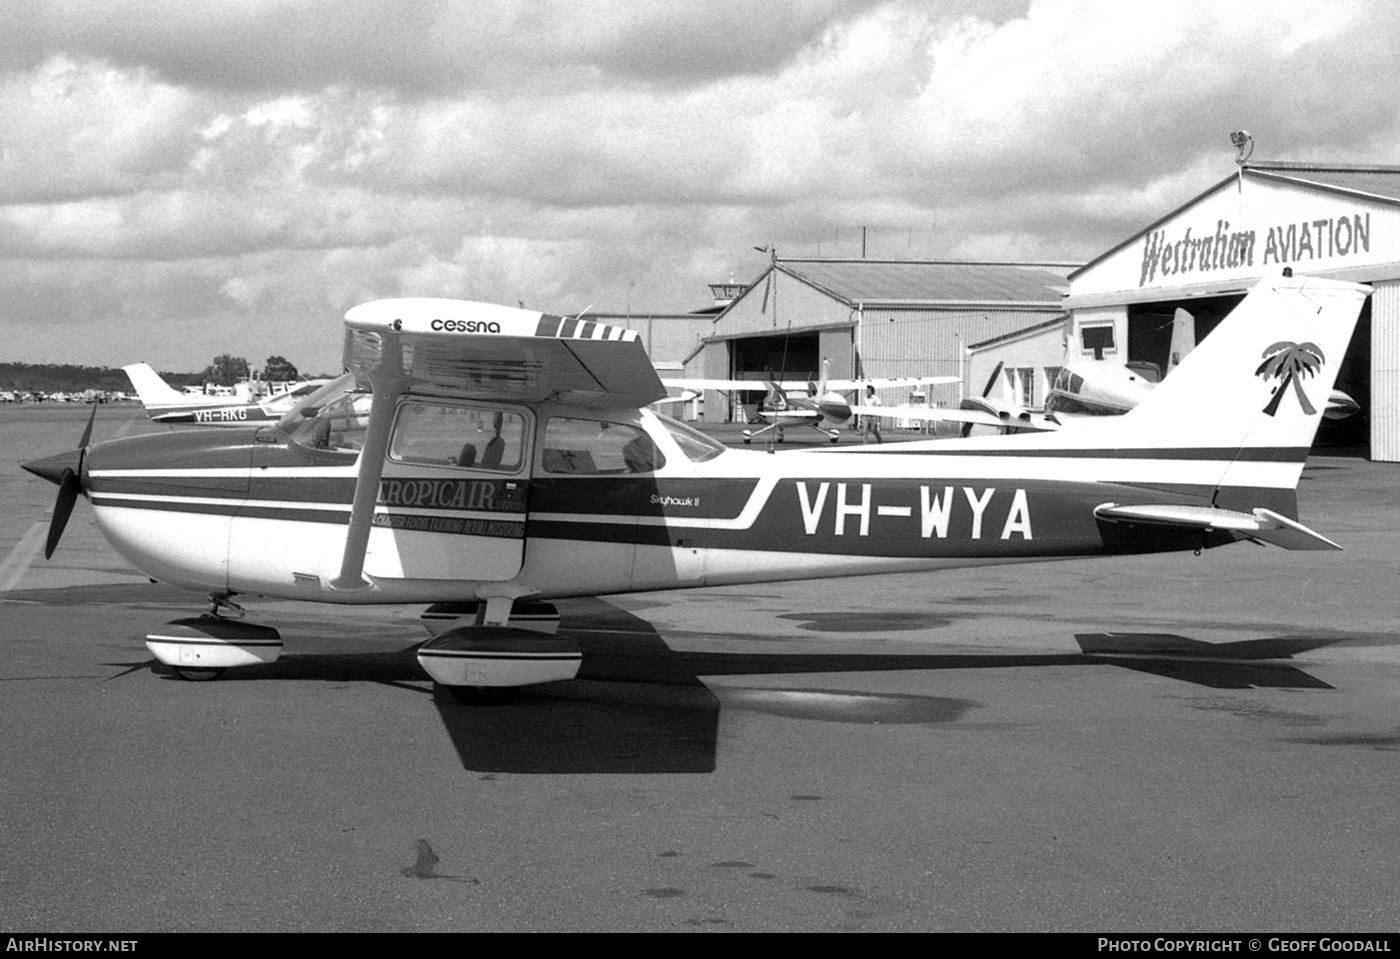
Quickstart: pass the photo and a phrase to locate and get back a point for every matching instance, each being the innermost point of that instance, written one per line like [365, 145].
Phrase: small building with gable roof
[880, 318]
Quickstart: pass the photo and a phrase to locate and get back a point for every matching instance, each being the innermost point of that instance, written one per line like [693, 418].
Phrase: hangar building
[1331, 220]
[879, 318]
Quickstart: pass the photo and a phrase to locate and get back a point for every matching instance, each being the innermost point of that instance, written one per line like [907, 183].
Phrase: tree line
[225, 370]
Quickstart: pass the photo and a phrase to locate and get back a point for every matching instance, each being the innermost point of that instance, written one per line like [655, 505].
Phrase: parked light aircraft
[819, 404]
[165, 404]
[485, 459]
[1082, 392]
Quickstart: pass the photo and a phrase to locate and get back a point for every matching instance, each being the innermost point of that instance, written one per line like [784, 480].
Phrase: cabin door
[454, 492]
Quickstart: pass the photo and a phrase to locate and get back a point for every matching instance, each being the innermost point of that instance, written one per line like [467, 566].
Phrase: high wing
[485, 351]
[685, 397]
[908, 382]
[729, 386]
[477, 351]
[1023, 421]
[763, 386]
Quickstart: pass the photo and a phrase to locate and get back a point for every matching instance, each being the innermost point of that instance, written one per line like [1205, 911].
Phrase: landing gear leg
[221, 601]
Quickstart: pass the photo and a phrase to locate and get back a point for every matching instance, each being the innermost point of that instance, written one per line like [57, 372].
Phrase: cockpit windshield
[335, 417]
[697, 447]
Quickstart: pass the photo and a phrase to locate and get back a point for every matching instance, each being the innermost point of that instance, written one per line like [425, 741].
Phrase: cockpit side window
[697, 447]
[472, 437]
[339, 425]
[590, 447]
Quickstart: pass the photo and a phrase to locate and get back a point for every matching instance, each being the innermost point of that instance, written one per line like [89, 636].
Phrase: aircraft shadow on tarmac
[640, 707]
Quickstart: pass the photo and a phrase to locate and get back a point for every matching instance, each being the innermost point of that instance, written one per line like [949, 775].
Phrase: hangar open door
[794, 357]
[788, 357]
[1149, 341]
[1150, 325]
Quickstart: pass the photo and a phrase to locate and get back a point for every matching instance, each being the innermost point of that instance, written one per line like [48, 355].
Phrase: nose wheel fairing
[202, 647]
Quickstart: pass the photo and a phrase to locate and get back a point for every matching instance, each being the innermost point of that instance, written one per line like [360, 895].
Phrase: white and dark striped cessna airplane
[485, 460]
[165, 404]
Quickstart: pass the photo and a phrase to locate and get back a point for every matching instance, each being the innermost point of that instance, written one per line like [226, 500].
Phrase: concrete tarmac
[1174, 743]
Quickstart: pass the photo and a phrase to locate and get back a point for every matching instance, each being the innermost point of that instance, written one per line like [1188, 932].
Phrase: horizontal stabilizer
[1263, 525]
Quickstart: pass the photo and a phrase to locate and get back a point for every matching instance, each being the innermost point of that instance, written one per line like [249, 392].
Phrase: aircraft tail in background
[165, 404]
[155, 392]
[1183, 338]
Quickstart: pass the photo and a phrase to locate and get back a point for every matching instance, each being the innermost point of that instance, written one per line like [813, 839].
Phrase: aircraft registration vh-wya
[485, 459]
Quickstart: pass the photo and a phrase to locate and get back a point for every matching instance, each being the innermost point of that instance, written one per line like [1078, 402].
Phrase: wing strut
[388, 381]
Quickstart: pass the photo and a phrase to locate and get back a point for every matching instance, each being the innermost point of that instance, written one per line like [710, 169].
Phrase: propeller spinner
[65, 470]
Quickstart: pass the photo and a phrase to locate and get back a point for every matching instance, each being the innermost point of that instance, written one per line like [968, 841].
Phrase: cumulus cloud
[179, 173]
[430, 47]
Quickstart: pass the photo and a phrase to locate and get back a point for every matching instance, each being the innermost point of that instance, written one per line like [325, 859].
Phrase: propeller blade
[992, 381]
[66, 470]
[68, 489]
[87, 431]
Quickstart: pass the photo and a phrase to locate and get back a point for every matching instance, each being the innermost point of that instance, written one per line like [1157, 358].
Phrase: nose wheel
[194, 674]
[199, 648]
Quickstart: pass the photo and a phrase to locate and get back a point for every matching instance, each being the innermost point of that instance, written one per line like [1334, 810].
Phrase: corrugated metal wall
[1385, 372]
[930, 342]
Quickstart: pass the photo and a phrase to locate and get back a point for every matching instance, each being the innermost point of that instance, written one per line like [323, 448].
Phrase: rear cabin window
[592, 448]
[441, 434]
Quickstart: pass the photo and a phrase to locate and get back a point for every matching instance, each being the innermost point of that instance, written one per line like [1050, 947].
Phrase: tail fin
[1263, 375]
[1183, 338]
[1247, 401]
[153, 390]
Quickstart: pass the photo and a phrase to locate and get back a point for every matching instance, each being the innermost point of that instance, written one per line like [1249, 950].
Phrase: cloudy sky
[180, 179]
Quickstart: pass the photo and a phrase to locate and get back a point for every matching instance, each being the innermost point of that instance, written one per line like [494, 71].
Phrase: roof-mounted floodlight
[1244, 143]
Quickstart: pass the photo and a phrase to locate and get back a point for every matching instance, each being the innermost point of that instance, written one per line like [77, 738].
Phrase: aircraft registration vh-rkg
[165, 404]
[484, 460]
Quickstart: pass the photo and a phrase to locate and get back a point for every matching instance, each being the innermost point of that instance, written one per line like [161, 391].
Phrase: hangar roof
[915, 283]
[1372, 180]
[1054, 322]
[1376, 181]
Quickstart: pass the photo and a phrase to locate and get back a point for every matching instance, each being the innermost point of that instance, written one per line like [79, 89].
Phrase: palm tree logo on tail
[1289, 363]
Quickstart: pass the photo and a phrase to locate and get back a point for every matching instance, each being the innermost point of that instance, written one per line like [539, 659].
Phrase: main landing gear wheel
[196, 674]
[481, 695]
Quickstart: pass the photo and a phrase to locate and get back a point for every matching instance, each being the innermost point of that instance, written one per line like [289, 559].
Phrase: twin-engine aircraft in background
[819, 404]
[165, 404]
[485, 460]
